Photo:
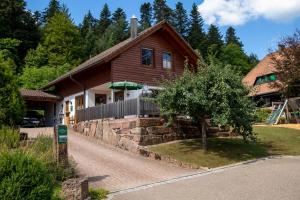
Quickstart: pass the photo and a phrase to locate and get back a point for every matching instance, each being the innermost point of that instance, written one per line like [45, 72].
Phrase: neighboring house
[261, 81]
[157, 53]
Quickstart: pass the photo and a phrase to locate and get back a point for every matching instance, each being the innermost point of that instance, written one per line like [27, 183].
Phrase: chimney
[133, 27]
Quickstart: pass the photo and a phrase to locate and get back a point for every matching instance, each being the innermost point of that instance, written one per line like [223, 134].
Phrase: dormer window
[147, 57]
[265, 79]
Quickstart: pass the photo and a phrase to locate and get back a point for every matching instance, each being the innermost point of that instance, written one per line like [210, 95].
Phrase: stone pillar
[60, 141]
[76, 189]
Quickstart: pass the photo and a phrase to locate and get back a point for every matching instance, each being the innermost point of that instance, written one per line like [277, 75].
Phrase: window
[265, 79]
[147, 57]
[100, 99]
[167, 60]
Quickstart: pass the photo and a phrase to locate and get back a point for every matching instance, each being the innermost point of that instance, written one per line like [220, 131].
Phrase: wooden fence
[137, 106]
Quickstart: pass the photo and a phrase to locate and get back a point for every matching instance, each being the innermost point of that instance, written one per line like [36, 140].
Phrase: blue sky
[259, 23]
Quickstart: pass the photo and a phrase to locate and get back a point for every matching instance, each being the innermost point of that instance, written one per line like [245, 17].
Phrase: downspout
[83, 88]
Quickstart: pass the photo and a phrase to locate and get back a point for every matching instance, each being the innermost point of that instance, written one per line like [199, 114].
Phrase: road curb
[193, 175]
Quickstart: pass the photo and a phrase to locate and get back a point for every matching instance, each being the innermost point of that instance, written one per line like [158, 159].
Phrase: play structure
[285, 112]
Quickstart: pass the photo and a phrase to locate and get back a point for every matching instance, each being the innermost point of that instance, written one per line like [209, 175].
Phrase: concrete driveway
[112, 168]
[269, 179]
[115, 169]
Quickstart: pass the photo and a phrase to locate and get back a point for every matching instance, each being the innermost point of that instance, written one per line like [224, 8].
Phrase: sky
[260, 24]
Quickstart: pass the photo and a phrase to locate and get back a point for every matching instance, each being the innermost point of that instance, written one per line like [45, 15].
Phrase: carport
[40, 100]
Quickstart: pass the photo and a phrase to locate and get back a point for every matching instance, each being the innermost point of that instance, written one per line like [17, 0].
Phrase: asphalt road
[270, 179]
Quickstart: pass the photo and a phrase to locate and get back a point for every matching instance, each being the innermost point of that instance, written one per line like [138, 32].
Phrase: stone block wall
[75, 189]
[132, 133]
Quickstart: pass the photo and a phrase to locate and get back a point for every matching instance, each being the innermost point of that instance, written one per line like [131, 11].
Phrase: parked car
[33, 119]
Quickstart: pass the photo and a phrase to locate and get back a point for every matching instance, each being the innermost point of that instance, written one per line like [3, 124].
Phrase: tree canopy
[213, 92]
[146, 15]
[286, 60]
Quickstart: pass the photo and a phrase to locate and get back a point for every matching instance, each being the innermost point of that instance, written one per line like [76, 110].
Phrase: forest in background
[39, 46]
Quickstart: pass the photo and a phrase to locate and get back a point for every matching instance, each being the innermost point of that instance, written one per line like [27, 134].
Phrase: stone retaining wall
[132, 133]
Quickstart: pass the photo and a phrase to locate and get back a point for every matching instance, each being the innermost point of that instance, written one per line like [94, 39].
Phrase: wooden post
[60, 141]
[138, 107]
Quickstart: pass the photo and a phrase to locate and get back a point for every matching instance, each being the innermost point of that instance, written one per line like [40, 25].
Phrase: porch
[102, 101]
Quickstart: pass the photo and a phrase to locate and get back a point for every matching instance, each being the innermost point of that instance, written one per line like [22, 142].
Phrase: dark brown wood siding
[128, 65]
[92, 77]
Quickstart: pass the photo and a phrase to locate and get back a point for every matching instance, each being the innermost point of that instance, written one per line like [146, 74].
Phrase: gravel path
[115, 169]
[270, 179]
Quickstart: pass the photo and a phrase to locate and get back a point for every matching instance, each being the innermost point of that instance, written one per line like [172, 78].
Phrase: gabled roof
[38, 95]
[264, 67]
[116, 50]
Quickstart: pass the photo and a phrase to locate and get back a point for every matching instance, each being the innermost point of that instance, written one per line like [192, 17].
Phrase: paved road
[115, 169]
[271, 179]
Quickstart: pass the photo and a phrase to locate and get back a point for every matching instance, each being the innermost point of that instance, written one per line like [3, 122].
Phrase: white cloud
[238, 12]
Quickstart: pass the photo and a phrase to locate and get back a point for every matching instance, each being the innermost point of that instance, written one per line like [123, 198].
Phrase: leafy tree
[89, 22]
[9, 49]
[214, 41]
[18, 23]
[62, 41]
[213, 92]
[37, 77]
[231, 37]
[104, 21]
[196, 34]
[180, 19]
[37, 58]
[146, 15]
[287, 63]
[53, 8]
[162, 11]
[11, 102]
[232, 54]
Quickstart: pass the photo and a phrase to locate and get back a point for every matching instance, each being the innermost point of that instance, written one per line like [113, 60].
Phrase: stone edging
[193, 175]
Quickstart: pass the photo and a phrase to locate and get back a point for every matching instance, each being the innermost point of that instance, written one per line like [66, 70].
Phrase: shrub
[98, 194]
[9, 138]
[23, 177]
[262, 114]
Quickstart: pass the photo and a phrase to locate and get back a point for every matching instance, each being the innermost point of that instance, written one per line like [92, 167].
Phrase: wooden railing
[120, 109]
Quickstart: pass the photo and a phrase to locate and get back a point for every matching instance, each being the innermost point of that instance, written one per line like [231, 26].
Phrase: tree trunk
[204, 136]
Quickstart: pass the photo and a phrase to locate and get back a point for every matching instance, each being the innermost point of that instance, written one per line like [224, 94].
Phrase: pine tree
[104, 21]
[89, 22]
[196, 35]
[162, 11]
[180, 19]
[53, 8]
[232, 38]
[146, 16]
[214, 41]
[117, 15]
[18, 23]
[62, 41]
[89, 47]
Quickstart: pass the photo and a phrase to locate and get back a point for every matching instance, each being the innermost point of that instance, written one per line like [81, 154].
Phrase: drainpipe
[83, 88]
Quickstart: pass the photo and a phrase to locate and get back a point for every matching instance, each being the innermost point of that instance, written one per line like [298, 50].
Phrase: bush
[9, 138]
[262, 114]
[98, 194]
[23, 177]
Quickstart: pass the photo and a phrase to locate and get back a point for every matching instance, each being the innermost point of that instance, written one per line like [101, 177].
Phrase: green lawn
[223, 151]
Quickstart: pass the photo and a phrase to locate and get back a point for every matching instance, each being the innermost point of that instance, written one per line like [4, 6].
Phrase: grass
[98, 194]
[224, 151]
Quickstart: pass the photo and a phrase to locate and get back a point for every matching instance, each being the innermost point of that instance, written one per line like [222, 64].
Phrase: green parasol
[125, 85]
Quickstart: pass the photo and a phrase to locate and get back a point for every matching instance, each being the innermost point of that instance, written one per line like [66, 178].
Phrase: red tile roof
[38, 95]
[264, 67]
